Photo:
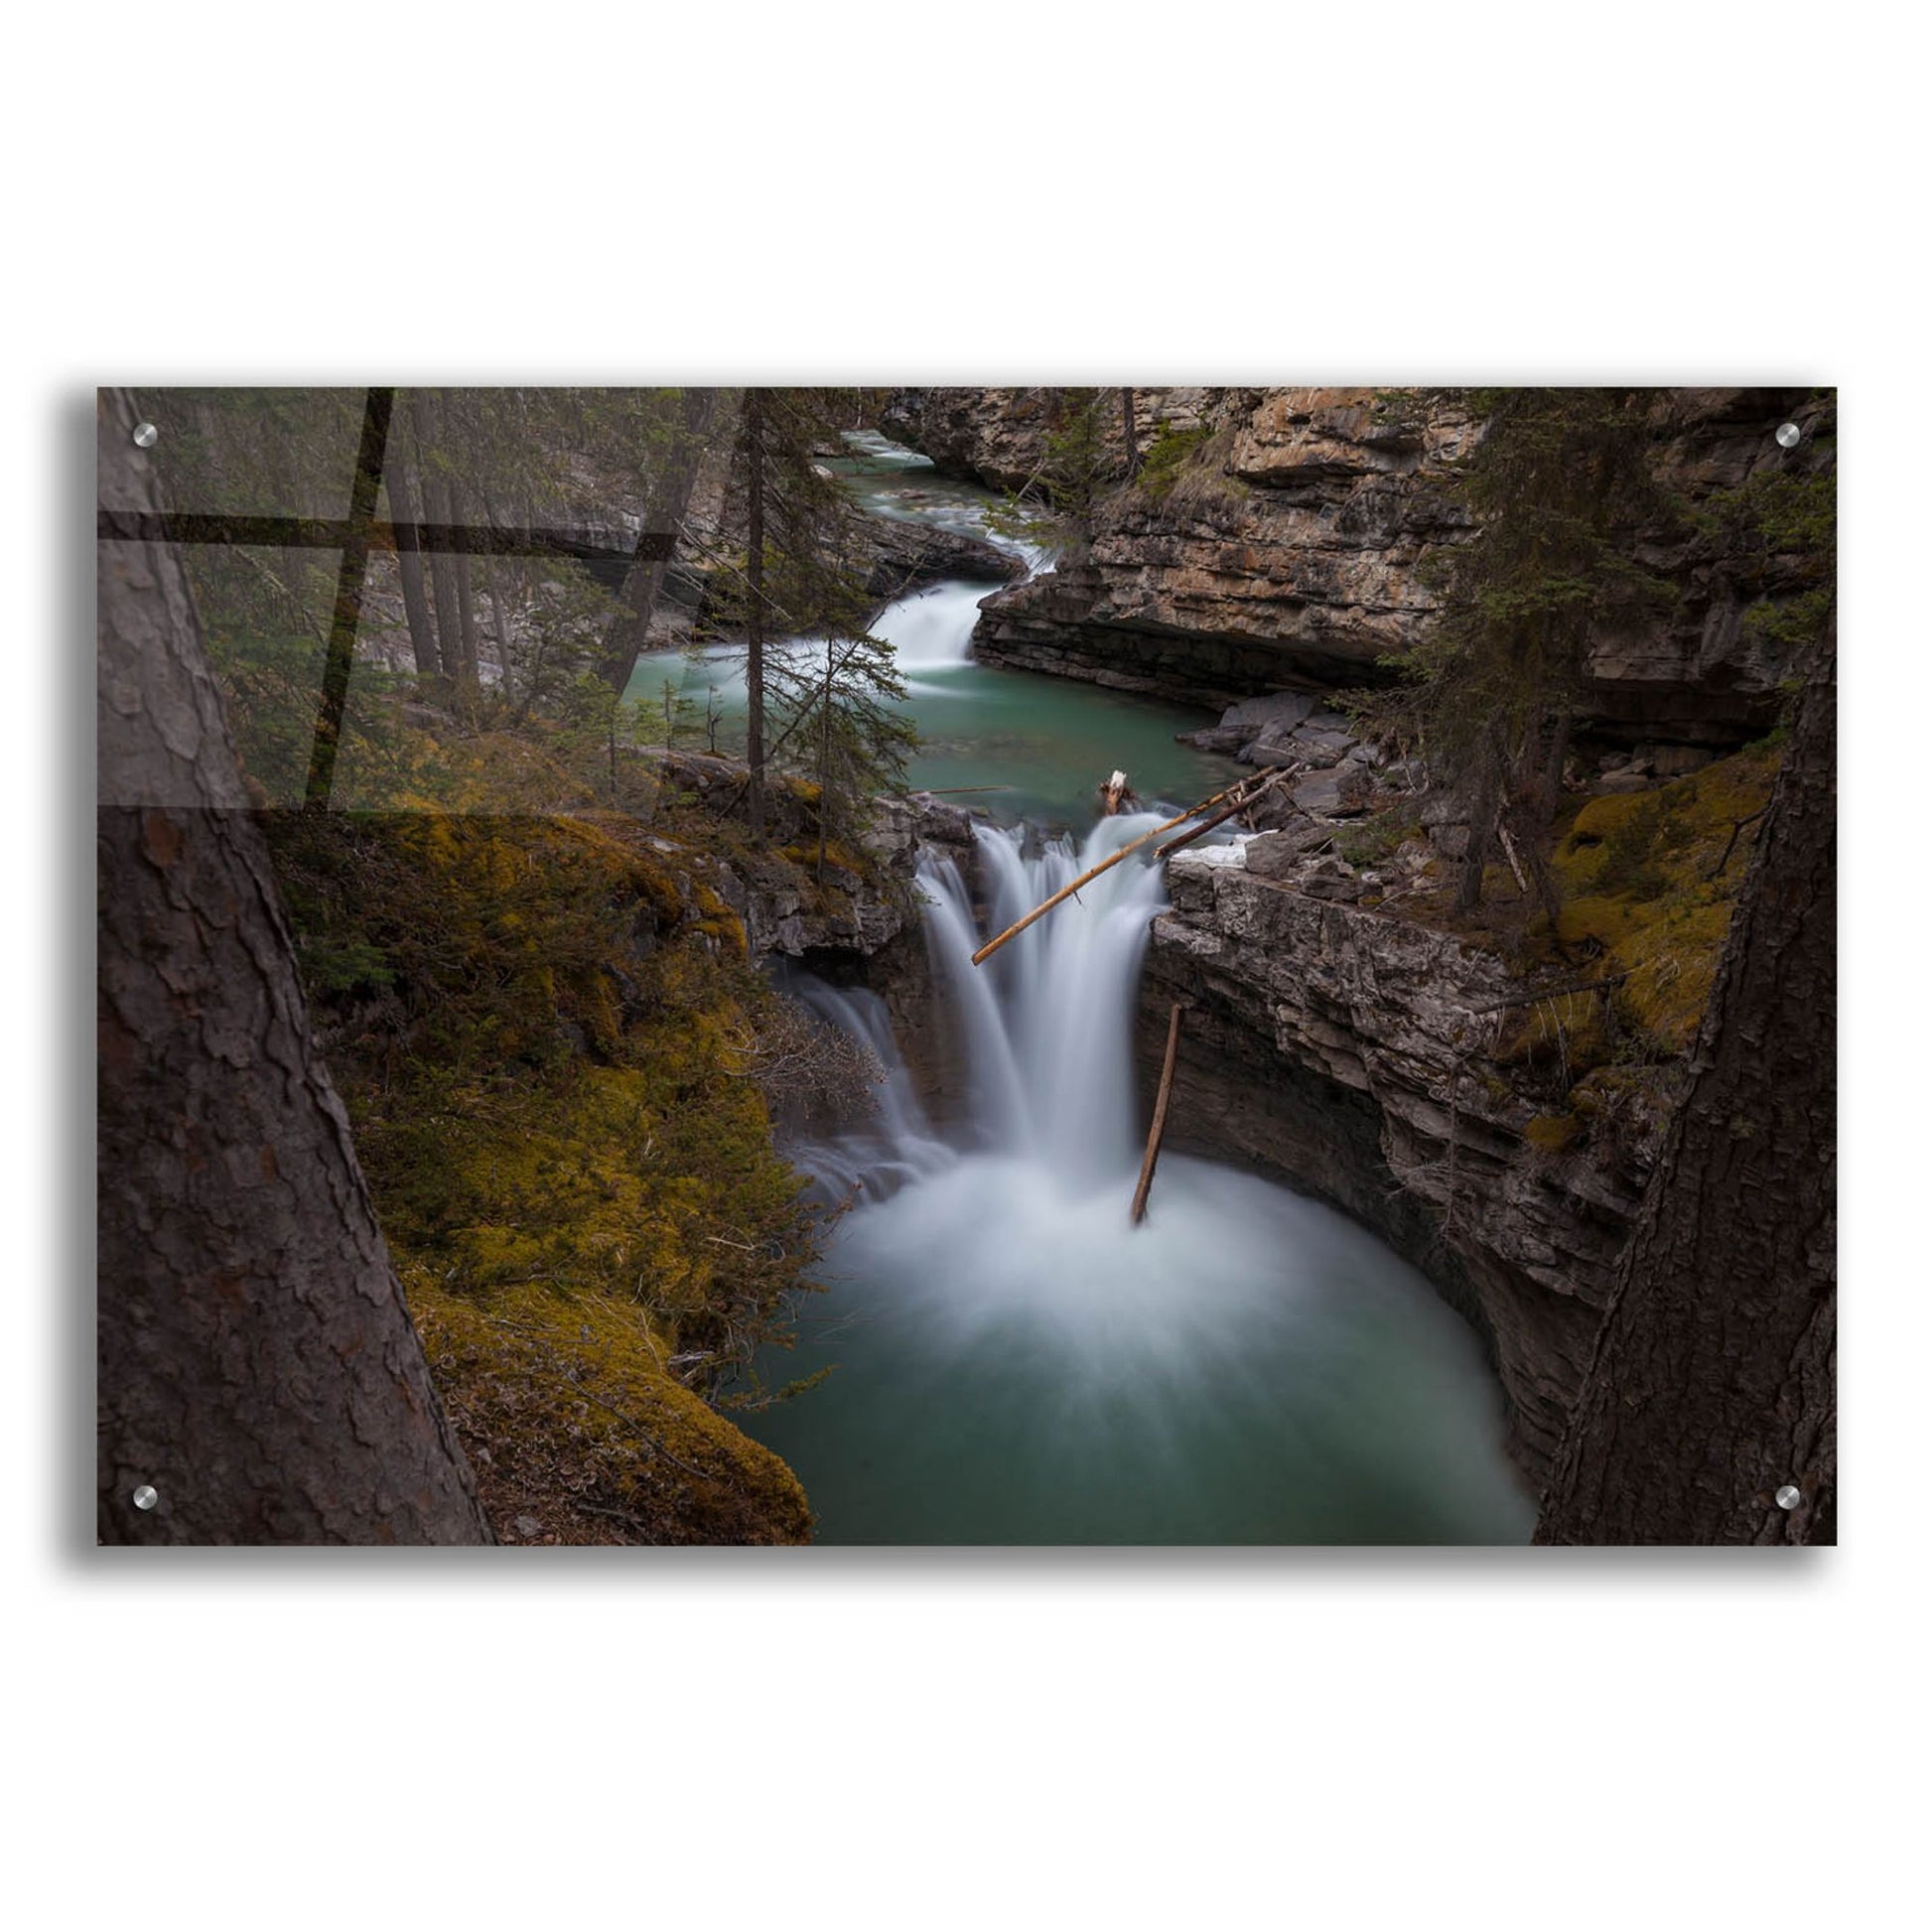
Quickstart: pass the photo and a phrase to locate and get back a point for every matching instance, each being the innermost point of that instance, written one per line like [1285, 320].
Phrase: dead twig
[1730, 844]
[1515, 864]
[1552, 993]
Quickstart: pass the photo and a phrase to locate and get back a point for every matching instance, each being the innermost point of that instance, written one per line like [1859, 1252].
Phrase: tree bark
[669, 501]
[409, 565]
[1144, 1186]
[1127, 430]
[257, 1366]
[441, 566]
[466, 601]
[1486, 813]
[1712, 1382]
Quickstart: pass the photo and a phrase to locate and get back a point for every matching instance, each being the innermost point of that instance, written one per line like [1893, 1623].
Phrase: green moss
[1646, 891]
[1553, 1133]
[552, 1104]
[1371, 840]
[572, 1417]
[840, 858]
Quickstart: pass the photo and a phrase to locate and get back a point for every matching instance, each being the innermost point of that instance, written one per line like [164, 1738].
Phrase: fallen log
[1106, 865]
[1221, 817]
[1159, 1125]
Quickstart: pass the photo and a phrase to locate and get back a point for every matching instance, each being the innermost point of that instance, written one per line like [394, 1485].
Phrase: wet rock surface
[1356, 1054]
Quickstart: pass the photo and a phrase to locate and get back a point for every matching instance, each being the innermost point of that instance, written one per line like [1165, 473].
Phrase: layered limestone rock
[836, 915]
[1365, 1057]
[997, 437]
[1292, 550]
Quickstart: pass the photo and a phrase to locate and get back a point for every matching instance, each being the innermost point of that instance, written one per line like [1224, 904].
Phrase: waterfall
[1011, 1361]
[932, 629]
[1046, 1025]
[1015, 1362]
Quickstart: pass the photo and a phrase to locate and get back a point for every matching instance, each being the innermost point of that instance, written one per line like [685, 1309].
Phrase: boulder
[1267, 752]
[1339, 794]
[1332, 880]
[1280, 855]
[1322, 745]
[1224, 740]
[1274, 716]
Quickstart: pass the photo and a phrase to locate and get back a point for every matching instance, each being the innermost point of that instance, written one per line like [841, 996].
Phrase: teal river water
[1012, 1363]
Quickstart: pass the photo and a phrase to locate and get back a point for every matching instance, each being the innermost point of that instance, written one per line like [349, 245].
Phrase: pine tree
[1056, 508]
[1559, 488]
[821, 690]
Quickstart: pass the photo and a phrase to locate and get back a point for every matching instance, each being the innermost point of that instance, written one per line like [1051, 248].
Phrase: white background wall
[996, 192]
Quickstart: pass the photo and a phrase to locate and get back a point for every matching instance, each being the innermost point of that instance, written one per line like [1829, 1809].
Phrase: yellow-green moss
[549, 1079]
[718, 921]
[579, 1432]
[841, 858]
[1642, 892]
[1553, 1133]
[1567, 1032]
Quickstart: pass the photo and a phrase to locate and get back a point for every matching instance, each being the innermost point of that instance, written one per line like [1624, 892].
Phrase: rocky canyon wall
[1291, 549]
[1367, 1054]
[1365, 1057]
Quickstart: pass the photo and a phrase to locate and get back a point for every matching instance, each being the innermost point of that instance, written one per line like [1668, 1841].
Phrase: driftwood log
[1159, 1125]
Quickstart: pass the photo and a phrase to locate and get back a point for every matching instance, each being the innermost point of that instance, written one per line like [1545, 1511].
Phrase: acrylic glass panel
[1173, 966]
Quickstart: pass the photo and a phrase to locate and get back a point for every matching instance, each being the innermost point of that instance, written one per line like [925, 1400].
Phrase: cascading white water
[1046, 1025]
[1017, 1363]
[1013, 1361]
[1049, 1017]
[932, 629]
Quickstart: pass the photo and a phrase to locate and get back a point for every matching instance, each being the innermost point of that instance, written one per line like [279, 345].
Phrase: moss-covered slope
[548, 1039]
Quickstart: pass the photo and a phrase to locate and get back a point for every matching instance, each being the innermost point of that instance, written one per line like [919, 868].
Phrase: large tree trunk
[258, 1365]
[670, 499]
[1712, 1383]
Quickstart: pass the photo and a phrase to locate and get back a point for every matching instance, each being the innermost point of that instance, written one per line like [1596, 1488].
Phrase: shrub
[1169, 451]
